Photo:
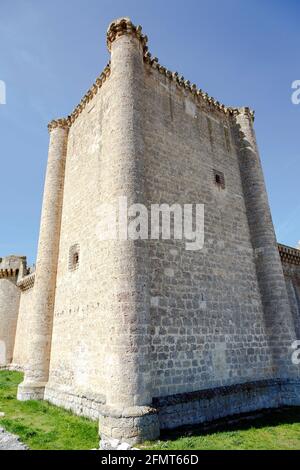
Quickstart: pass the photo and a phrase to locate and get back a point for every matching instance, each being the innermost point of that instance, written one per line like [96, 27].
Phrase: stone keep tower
[144, 333]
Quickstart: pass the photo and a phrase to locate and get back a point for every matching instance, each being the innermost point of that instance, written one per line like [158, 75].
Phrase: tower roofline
[122, 26]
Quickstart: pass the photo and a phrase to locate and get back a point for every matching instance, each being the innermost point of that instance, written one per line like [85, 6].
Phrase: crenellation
[125, 26]
[11, 266]
[67, 122]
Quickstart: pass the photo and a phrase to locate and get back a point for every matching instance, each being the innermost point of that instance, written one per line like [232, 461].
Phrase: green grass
[42, 426]
[275, 430]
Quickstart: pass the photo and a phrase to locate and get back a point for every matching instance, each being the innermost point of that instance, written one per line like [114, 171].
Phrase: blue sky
[240, 52]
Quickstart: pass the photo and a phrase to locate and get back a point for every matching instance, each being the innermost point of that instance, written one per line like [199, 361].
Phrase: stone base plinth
[31, 391]
[208, 405]
[130, 425]
[81, 403]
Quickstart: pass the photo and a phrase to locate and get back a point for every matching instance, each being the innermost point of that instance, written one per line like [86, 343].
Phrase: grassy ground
[40, 425]
[43, 426]
[275, 430]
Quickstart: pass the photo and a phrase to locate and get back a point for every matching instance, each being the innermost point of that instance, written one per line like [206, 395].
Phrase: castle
[144, 334]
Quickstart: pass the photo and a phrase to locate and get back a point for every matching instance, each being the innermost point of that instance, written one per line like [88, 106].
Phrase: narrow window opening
[219, 179]
[74, 256]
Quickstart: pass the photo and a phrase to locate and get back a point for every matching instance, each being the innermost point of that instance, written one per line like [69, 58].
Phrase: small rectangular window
[74, 256]
[219, 179]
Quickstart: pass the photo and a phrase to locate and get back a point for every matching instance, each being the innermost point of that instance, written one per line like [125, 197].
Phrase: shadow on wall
[256, 420]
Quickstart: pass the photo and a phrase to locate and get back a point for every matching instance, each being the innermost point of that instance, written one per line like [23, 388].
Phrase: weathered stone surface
[41, 315]
[213, 404]
[115, 444]
[290, 258]
[132, 425]
[10, 269]
[87, 404]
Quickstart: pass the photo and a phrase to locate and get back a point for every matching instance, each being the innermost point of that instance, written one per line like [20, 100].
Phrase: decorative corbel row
[62, 123]
[27, 282]
[245, 111]
[90, 94]
[289, 255]
[67, 122]
[181, 82]
[125, 26]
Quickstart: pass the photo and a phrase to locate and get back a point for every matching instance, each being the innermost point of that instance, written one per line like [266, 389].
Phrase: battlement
[15, 267]
[10, 266]
[124, 26]
[288, 254]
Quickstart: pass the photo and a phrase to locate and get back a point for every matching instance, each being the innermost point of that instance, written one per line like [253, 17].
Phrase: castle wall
[9, 307]
[77, 350]
[292, 279]
[23, 335]
[11, 268]
[207, 315]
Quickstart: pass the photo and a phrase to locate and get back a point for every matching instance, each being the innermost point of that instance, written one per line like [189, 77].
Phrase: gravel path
[10, 442]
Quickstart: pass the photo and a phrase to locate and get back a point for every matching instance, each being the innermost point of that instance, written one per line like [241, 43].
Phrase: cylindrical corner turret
[41, 318]
[128, 414]
[10, 269]
[124, 27]
[277, 314]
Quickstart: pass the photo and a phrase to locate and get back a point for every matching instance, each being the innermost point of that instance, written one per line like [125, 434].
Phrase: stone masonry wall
[78, 340]
[292, 278]
[23, 336]
[207, 316]
[9, 307]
